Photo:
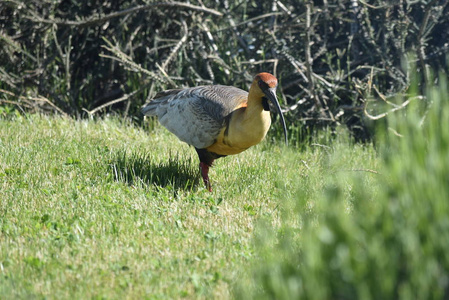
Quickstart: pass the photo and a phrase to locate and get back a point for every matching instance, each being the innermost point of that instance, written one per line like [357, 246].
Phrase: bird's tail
[149, 109]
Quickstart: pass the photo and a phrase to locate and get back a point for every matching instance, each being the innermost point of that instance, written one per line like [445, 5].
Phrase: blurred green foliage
[360, 239]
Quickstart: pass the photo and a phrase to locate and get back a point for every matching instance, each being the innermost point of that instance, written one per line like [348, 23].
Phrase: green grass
[106, 210]
[102, 209]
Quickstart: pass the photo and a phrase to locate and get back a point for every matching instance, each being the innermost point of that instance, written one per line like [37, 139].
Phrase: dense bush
[330, 56]
[381, 239]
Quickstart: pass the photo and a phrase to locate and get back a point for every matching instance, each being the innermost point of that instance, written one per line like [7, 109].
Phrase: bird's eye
[263, 85]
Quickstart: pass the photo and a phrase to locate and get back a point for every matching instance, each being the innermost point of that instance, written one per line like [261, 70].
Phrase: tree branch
[103, 19]
[27, 99]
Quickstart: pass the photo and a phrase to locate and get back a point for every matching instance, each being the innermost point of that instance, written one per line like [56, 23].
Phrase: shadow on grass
[177, 172]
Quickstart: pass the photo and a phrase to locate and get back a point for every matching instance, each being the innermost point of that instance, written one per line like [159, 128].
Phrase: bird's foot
[205, 174]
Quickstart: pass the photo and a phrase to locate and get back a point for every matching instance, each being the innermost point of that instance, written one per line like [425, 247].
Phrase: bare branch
[127, 61]
[234, 26]
[395, 132]
[38, 98]
[175, 50]
[258, 62]
[309, 59]
[118, 100]
[383, 115]
[16, 46]
[103, 19]
[423, 32]
[165, 75]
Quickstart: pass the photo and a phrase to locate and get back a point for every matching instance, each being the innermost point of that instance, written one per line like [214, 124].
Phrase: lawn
[104, 209]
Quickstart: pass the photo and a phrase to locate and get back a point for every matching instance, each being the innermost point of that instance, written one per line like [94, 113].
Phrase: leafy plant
[385, 238]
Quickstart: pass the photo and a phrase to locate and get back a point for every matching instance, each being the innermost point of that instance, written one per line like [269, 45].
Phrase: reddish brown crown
[269, 79]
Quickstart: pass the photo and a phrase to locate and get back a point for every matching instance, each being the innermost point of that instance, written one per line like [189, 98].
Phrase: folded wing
[196, 115]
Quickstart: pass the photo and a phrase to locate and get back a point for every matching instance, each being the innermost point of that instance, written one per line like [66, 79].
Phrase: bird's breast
[241, 132]
[223, 145]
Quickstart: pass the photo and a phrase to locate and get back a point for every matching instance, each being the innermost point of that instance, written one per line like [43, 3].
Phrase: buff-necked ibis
[218, 120]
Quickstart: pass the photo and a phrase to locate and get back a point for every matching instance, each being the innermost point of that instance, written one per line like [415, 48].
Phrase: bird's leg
[205, 174]
[206, 160]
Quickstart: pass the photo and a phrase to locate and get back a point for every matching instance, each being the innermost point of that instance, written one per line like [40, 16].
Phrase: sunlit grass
[104, 209]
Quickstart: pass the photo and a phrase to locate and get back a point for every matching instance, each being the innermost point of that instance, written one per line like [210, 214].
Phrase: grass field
[105, 210]
[102, 209]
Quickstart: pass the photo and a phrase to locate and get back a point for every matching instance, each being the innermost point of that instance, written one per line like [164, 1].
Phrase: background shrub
[332, 57]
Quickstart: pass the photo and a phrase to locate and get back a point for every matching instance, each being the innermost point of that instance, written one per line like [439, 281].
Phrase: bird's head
[265, 85]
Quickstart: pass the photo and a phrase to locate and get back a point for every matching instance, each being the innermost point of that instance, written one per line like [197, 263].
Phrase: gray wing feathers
[195, 115]
[149, 109]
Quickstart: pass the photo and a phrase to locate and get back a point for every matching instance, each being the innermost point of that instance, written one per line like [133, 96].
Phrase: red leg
[205, 174]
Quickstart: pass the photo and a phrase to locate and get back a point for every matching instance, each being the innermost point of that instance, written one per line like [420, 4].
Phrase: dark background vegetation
[338, 62]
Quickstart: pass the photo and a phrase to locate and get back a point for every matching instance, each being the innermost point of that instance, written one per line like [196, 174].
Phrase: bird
[218, 120]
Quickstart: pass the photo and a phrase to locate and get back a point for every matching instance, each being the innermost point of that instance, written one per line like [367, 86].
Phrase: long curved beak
[271, 95]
